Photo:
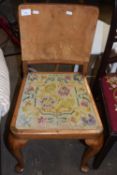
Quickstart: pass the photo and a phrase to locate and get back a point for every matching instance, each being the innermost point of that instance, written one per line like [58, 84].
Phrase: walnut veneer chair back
[56, 33]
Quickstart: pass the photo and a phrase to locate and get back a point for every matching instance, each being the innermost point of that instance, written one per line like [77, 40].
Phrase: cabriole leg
[15, 145]
[94, 145]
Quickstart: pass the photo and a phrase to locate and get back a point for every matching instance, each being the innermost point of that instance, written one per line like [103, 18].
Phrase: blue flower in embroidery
[90, 120]
[77, 77]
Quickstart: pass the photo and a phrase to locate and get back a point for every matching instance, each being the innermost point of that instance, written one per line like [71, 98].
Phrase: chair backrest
[109, 57]
[57, 33]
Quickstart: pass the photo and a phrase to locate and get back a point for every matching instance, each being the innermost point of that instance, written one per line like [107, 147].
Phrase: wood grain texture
[54, 36]
[94, 147]
[15, 145]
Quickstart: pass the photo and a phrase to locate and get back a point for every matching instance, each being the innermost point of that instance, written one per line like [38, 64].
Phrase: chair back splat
[56, 34]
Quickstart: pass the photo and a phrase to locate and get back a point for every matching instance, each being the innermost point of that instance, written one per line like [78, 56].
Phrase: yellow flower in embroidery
[36, 112]
[65, 105]
[28, 108]
[50, 88]
[77, 115]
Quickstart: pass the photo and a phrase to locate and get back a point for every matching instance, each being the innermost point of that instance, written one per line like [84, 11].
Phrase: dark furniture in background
[106, 87]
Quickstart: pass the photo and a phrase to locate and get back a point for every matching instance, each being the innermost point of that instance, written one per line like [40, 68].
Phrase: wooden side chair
[55, 105]
[107, 91]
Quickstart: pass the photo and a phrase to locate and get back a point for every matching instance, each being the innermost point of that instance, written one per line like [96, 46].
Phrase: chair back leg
[103, 152]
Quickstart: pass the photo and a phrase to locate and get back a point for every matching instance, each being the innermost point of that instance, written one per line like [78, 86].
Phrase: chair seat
[57, 101]
[109, 88]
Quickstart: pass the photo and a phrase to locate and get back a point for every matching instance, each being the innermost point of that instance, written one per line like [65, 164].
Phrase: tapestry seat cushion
[109, 89]
[56, 101]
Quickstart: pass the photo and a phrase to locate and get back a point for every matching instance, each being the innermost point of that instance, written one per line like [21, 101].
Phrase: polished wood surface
[61, 33]
[15, 147]
[94, 146]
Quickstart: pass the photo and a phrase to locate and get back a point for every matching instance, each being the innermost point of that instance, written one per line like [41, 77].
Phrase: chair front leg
[15, 145]
[94, 146]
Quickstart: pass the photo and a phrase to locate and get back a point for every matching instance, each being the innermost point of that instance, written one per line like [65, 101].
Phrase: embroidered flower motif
[73, 119]
[77, 77]
[48, 102]
[56, 101]
[67, 77]
[84, 103]
[33, 77]
[90, 120]
[112, 80]
[63, 91]
[41, 120]
[29, 89]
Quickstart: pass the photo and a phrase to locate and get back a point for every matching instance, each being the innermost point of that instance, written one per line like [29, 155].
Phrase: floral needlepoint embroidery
[78, 78]
[73, 119]
[63, 91]
[85, 103]
[112, 81]
[41, 120]
[56, 101]
[89, 120]
[67, 77]
[115, 97]
[47, 102]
